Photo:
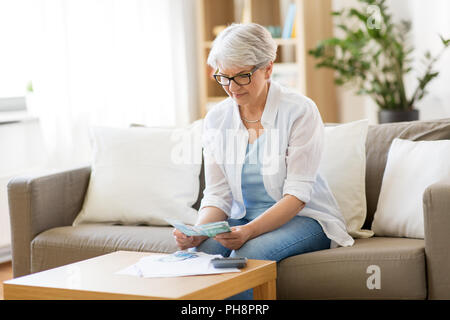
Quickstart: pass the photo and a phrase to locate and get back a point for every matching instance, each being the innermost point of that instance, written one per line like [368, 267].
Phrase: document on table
[178, 264]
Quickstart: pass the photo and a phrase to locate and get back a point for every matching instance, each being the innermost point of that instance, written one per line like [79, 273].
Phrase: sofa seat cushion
[344, 272]
[63, 245]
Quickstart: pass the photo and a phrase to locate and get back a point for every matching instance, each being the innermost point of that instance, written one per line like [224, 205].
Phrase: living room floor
[5, 274]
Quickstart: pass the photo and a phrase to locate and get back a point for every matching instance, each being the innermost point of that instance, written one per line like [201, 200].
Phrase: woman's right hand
[185, 242]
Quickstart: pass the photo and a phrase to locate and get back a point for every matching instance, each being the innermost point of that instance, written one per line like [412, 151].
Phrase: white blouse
[292, 153]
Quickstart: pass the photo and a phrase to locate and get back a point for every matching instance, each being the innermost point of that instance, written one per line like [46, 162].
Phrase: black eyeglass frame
[248, 74]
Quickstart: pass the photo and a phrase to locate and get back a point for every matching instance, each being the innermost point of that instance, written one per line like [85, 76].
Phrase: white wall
[5, 233]
[22, 151]
[429, 18]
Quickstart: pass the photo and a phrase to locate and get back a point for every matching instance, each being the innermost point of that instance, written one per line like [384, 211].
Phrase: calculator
[229, 262]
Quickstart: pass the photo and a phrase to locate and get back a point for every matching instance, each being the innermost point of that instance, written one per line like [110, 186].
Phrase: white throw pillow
[344, 167]
[143, 175]
[411, 167]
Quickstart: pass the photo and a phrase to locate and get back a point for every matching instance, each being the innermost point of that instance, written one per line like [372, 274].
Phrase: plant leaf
[445, 42]
[359, 15]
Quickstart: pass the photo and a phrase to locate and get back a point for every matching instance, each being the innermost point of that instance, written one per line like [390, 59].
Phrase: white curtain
[109, 63]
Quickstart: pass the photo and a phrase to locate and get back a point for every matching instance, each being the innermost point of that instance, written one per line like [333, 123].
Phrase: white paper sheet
[154, 266]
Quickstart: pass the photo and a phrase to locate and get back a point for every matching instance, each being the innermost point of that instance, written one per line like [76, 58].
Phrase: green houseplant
[373, 55]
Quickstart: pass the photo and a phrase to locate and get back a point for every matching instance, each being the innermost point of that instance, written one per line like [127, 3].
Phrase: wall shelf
[220, 13]
[293, 66]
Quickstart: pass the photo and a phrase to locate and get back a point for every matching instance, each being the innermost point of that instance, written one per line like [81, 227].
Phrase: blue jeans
[297, 236]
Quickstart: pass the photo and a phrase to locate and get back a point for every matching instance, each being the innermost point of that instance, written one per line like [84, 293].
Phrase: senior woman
[262, 149]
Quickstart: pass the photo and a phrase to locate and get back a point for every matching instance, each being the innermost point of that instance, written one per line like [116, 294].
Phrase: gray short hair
[241, 45]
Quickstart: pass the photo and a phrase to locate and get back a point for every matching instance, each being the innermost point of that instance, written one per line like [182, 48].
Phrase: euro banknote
[208, 229]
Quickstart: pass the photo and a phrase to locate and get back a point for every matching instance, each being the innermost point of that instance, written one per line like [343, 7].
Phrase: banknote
[178, 256]
[214, 228]
[208, 229]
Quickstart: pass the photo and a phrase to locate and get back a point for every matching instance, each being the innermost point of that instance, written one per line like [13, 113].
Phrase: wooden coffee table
[96, 279]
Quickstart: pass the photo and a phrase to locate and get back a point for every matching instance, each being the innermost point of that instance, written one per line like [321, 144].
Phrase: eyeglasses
[240, 79]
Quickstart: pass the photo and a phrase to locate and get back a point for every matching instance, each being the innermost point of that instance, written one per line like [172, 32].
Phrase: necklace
[250, 121]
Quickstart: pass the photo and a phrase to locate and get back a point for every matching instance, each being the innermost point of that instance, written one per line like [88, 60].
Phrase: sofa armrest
[436, 206]
[41, 202]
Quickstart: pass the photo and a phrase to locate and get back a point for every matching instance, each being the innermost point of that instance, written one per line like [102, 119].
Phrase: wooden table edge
[262, 279]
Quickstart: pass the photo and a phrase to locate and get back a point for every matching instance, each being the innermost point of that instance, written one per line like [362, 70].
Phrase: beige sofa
[43, 207]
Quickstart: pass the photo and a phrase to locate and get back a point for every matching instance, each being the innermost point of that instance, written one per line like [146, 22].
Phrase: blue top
[256, 198]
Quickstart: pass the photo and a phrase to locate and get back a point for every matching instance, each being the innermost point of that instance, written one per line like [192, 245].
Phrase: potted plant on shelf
[373, 55]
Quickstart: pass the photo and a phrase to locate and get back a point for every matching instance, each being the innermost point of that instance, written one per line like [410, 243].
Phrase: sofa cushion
[412, 166]
[343, 166]
[344, 272]
[64, 245]
[379, 139]
[125, 166]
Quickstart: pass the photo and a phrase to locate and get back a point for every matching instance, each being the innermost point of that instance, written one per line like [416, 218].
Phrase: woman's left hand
[235, 239]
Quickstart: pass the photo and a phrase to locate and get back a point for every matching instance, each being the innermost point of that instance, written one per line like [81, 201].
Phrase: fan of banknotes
[208, 229]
